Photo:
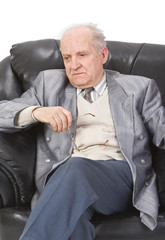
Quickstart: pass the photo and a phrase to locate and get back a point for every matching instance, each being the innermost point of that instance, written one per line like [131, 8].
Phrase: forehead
[76, 40]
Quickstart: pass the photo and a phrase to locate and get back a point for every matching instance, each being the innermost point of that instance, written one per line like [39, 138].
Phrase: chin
[79, 83]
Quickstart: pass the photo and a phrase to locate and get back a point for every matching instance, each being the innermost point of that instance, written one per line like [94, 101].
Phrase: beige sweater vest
[96, 136]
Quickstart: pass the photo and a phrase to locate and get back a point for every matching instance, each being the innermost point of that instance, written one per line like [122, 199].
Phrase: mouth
[77, 73]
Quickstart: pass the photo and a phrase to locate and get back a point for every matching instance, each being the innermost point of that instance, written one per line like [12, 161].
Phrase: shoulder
[132, 83]
[52, 76]
[54, 73]
[50, 80]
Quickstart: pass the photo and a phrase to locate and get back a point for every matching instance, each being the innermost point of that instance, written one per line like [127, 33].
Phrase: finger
[64, 122]
[53, 124]
[66, 119]
[60, 120]
[68, 116]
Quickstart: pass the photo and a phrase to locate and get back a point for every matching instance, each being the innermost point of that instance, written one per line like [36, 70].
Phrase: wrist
[33, 114]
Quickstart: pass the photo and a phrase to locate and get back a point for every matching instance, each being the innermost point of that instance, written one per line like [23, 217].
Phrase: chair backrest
[29, 58]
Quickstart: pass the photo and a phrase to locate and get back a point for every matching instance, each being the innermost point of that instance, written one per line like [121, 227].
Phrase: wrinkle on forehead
[76, 38]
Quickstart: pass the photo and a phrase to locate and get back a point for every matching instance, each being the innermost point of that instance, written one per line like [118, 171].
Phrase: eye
[66, 58]
[82, 54]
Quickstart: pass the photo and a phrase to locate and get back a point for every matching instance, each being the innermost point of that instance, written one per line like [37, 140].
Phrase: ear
[105, 53]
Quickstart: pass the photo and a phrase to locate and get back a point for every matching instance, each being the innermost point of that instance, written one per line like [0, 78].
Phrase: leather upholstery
[17, 150]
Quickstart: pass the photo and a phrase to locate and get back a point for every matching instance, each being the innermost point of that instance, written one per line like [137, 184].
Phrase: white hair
[99, 41]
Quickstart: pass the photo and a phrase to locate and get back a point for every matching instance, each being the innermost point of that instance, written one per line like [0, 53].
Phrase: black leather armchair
[17, 150]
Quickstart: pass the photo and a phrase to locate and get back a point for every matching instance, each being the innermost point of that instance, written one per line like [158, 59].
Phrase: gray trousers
[73, 193]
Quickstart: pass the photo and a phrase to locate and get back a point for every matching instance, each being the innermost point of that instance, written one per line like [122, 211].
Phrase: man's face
[83, 64]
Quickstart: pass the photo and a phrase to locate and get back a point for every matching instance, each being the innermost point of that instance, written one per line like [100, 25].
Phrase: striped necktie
[87, 95]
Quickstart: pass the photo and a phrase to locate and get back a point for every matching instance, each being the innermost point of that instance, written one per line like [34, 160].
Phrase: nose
[75, 64]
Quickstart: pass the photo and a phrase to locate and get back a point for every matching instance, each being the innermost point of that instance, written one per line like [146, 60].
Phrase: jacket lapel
[121, 107]
[68, 100]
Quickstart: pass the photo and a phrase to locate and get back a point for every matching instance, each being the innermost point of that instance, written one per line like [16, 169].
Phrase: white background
[121, 20]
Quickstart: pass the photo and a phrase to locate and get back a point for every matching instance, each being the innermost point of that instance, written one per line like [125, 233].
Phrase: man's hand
[58, 117]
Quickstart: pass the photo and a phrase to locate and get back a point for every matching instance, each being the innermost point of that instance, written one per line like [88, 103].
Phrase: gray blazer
[138, 117]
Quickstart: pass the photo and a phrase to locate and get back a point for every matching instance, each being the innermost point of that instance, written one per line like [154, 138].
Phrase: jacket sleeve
[154, 114]
[9, 110]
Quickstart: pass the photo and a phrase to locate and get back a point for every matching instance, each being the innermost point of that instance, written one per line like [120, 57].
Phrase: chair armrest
[17, 165]
[7, 196]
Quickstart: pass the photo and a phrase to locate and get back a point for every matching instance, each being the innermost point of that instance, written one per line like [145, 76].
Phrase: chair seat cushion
[125, 226]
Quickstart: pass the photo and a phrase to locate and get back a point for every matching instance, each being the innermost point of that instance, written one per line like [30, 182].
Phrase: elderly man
[93, 153]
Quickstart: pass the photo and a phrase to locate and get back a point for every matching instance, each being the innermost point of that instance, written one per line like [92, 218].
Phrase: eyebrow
[79, 52]
[65, 55]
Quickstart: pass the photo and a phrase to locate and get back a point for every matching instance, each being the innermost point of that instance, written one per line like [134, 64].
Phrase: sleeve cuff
[26, 117]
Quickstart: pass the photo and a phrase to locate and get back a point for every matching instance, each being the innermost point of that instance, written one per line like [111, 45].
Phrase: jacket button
[143, 161]
[140, 137]
[47, 160]
[47, 138]
[13, 110]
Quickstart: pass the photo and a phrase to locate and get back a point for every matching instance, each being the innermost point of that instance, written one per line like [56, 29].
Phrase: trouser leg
[114, 190]
[75, 186]
[84, 229]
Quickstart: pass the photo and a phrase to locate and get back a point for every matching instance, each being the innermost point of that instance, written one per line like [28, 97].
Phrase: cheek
[67, 68]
